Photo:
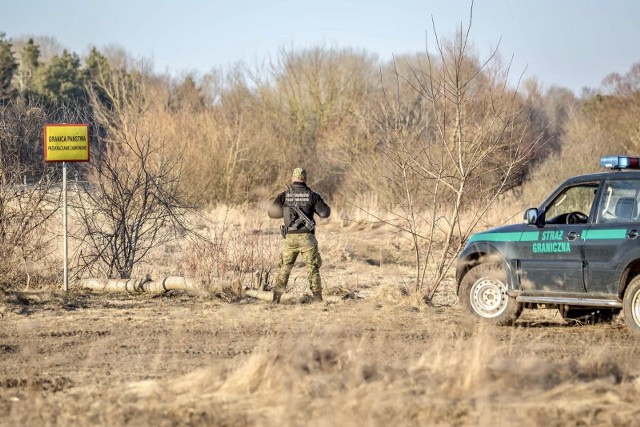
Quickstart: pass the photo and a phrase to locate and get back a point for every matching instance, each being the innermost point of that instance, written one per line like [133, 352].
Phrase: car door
[613, 238]
[553, 260]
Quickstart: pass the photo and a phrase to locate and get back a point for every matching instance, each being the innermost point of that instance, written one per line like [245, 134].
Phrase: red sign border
[46, 126]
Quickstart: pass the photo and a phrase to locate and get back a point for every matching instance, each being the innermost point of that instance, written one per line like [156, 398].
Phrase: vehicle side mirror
[531, 216]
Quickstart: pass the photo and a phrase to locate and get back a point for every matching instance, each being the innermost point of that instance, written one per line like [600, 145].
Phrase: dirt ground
[376, 358]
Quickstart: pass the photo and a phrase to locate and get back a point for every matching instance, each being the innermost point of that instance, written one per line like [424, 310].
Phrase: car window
[575, 199]
[619, 202]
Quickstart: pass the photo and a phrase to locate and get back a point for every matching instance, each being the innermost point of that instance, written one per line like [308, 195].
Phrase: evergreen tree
[8, 67]
[96, 67]
[29, 64]
[95, 73]
[62, 79]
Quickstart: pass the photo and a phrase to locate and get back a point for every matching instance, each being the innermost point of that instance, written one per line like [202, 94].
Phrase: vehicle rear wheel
[484, 292]
[631, 305]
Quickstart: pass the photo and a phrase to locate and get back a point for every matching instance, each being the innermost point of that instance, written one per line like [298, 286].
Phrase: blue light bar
[620, 162]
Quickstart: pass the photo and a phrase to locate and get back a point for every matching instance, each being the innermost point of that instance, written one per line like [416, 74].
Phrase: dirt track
[90, 358]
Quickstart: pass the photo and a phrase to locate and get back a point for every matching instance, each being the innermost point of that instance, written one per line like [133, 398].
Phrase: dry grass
[186, 361]
[378, 357]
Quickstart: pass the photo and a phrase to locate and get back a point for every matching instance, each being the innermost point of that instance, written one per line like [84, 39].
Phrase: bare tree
[453, 138]
[132, 202]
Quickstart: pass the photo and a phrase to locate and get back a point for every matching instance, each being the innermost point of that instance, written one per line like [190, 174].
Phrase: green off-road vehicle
[578, 252]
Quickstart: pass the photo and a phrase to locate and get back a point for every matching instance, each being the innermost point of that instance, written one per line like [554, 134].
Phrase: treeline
[604, 121]
[239, 132]
[62, 79]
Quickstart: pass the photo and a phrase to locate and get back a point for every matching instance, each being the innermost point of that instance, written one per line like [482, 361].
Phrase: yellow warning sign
[66, 143]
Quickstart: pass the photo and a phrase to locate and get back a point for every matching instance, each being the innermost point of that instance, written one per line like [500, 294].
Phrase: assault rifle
[301, 218]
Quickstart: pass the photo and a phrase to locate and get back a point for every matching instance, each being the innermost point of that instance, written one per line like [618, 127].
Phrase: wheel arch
[481, 254]
[630, 272]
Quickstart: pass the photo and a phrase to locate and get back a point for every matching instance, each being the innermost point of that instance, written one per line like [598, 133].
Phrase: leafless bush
[449, 151]
[133, 201]
[233, 260]
[26, 212]
[29, 196]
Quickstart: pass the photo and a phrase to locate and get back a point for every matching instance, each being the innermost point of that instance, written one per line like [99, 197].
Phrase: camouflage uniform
[307, 245]
[299, 238]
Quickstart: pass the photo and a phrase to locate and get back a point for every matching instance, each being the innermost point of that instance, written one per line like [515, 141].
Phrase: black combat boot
[276, 297]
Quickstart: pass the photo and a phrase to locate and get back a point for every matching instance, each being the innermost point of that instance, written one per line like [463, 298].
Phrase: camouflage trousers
[307, 245]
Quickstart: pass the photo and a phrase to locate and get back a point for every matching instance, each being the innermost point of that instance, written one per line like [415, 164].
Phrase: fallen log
[170, 283]
[174, 283]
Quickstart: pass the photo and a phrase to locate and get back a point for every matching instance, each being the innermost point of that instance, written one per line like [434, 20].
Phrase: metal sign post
[65, 230]
[66, 143]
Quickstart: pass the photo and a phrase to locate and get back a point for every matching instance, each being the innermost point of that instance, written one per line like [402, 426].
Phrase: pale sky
[570, 43]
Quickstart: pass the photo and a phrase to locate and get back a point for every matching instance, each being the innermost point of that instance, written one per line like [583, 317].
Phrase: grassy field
[376, 357]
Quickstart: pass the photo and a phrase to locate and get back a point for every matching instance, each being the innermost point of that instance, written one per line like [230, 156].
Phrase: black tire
[483, 291]
[631, 305]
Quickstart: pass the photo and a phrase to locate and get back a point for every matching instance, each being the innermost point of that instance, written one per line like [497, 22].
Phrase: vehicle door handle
[572, 235]
[632, 234]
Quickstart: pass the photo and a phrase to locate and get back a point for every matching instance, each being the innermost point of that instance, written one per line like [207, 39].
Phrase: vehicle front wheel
[483, 291]
[631, 305]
